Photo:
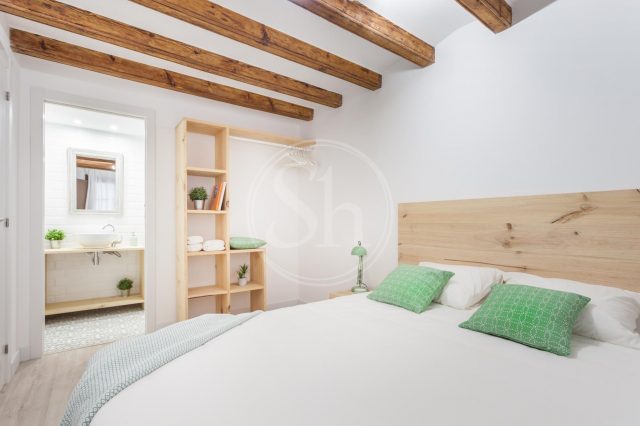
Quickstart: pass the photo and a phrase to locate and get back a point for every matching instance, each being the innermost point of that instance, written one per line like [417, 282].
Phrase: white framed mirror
[95, 181]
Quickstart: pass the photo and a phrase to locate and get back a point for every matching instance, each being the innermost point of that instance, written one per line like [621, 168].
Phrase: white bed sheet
[352, 361]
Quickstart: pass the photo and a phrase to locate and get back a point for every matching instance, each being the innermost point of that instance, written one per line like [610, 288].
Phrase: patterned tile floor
[81, 329]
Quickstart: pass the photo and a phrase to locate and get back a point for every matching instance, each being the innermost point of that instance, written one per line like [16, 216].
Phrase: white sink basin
[99, 240]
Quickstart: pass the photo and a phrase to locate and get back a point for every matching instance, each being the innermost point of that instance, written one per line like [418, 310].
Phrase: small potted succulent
[242, 275]
[125, 286]
[54, 236]
[198, 195]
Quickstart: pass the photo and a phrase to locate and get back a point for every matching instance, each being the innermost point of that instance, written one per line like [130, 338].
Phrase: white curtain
[101, 192]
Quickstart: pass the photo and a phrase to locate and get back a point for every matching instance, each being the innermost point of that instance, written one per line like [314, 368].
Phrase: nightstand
[341, 293]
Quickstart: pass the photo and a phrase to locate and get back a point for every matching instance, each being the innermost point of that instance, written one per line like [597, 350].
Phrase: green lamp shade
[359, 250]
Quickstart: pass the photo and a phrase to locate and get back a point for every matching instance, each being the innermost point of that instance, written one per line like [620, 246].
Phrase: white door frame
[36, 211]
[4, 214]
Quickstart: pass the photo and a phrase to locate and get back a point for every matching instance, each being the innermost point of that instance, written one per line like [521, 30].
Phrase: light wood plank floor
[37, 394]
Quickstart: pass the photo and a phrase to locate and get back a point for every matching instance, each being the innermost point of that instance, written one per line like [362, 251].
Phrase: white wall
[548, 106]
[170, 108]
[13, 282]
[58, 140]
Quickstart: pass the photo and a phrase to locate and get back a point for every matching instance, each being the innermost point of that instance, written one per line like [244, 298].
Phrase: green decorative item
[198, 195]
[536, 317]
[411, 287]
[242, 274]
[125, 285]
[245, 243]
[54, 236]
[361, 252]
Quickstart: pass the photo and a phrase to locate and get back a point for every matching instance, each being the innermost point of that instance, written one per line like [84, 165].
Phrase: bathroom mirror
[95, 182]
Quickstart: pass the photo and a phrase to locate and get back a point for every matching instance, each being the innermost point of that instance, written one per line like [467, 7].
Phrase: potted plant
[242, 275]
[125, 286]
[198, 195]
[54, 236]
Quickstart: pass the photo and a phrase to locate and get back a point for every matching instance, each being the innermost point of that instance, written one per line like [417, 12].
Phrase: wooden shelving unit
[219, 288]
[90, 304]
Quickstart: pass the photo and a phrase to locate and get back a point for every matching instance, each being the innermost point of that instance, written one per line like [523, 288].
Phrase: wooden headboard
[592, 237]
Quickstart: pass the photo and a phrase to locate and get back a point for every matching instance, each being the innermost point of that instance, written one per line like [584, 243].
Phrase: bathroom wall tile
[73, 277]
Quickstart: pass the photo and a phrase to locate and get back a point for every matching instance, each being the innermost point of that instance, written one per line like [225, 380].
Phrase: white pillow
[468, 286]
[612, 315]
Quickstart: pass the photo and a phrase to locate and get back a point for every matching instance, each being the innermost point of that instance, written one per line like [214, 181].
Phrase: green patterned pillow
[536, 317]
[411, 287]
[244, 243]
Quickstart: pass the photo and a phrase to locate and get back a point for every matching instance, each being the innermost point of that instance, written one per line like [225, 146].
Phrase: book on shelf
[217, 199]
[221, 193]
[214, 194]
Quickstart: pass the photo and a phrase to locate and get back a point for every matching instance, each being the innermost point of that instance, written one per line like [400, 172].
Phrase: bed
[354, 361]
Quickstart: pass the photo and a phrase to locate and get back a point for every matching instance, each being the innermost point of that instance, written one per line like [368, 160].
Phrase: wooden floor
[37, 394]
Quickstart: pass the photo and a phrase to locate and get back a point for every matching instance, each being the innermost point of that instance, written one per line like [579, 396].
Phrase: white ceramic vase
[55, 244]
[199, 204]
[242, 281]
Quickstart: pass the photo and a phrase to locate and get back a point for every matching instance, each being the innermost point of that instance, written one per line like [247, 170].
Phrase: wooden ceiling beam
[359, 19]
[80, 57]
[79, 21]
[494, 14]
[228, 23]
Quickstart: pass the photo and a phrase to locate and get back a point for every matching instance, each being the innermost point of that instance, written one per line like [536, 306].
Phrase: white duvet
[352, 361]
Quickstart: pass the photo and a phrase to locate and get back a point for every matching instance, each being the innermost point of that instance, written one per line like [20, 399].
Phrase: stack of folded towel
[195, 243]
[213, 245]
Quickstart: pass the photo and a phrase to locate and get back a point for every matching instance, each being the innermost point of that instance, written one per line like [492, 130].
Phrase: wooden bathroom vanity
[98, 302]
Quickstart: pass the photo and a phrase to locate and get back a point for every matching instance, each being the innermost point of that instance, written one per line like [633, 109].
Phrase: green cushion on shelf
[411, 287]
[244, 243]
[536, 317]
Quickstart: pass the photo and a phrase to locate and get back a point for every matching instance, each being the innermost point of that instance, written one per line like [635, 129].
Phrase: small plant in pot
[242, 275]
[54, 236]
[125, 286]
[198, 195]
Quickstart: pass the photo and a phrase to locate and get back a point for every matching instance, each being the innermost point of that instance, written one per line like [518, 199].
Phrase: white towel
[194, 247]
[215, 242]
[195, 239]
[213, 245]
[213, 248]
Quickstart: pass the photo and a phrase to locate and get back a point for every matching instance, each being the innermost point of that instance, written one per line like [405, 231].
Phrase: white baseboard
[25, 353]
[14, 363]
[285, 304]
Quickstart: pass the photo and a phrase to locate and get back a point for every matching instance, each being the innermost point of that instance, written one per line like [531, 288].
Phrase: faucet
[113, 229]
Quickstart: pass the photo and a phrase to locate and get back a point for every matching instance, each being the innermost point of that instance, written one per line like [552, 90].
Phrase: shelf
[209, 290]
[203, 127]
[213, 152]
[206, 253]
[89, 304]
[235, 288]
[71, 250]
[258, 250]
[204, 172]
[206, 212]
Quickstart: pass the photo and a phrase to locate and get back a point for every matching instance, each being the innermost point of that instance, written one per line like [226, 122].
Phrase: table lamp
[361, 252]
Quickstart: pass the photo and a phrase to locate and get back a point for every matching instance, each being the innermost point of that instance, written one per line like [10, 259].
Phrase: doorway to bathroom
[94, 226]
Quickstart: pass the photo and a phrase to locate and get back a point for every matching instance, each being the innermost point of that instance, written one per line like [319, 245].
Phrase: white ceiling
[431, 20]
[94, 120]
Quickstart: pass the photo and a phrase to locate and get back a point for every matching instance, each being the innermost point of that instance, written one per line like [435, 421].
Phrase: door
[4, 220]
